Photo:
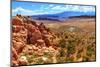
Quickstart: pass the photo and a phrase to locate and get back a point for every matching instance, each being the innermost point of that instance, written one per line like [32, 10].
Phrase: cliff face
[29, 37]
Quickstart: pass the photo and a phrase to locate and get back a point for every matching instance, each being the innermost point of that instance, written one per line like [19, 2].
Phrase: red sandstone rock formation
[25, 33]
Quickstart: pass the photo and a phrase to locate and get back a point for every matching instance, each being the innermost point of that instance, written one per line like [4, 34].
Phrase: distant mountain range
[63, 16]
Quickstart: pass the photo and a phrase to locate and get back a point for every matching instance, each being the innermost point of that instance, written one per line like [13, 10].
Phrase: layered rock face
[29, 37]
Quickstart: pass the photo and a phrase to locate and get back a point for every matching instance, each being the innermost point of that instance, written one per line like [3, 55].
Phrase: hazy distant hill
[63, 16]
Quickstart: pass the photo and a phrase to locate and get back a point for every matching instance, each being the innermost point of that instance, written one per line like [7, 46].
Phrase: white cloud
[51, 9]
[74, 8]
[83, 8]
[88, 9]
[51, 5]
[23, 11]
[57, 8]
[47, 7]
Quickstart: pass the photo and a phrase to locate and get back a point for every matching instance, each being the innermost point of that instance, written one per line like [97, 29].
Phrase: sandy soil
[87, 24]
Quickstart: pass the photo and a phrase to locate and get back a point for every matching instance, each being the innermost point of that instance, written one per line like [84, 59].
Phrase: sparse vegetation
[38, 45]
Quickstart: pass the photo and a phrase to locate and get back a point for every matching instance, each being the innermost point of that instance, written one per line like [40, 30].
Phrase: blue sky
[32, 8]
